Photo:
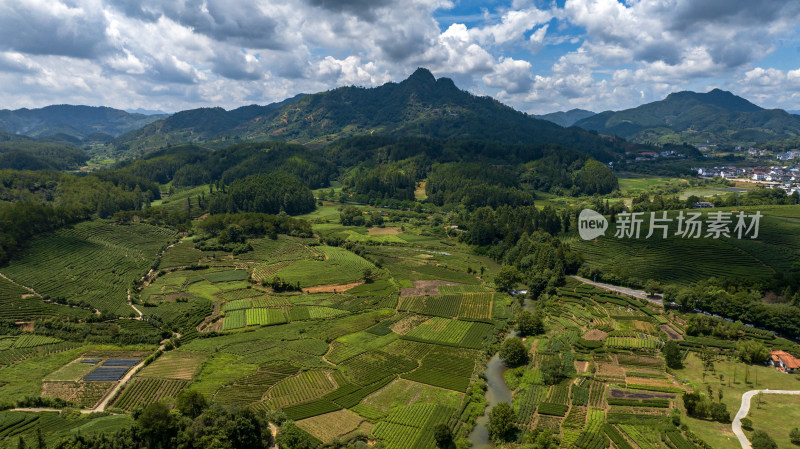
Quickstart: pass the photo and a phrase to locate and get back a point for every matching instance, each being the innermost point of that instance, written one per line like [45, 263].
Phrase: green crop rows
[445, 367]
[548, 408]
[302, 387]
[265, 317]
[143, 391]
[233, 320]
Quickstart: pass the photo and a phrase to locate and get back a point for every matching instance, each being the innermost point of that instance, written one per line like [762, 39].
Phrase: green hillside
[419, 106]
[717, 116]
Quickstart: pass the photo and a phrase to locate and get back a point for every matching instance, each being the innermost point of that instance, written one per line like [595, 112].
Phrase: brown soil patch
[425, 288]
[406, 324]
[610, 370]
[26, 326]
[87, 394]
[332, 425]
[652, 382]
[595, 335]
[390, 230]
[581, 367]
[332, 288]
[28, 295]
[627, 394]
[670, 332]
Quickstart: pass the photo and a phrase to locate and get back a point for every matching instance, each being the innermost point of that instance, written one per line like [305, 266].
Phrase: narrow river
[496, 392]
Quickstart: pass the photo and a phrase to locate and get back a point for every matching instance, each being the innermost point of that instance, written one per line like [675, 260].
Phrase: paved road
[745, 409]
[641, 294]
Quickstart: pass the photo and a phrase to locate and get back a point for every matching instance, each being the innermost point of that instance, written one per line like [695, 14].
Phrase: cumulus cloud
[43, 27]
[17, 62]
[535, 55]
[510, 75]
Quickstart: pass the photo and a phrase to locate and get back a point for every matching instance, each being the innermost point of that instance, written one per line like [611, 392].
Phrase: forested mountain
[25, 153]
[566, 118]
[75, 121]
[419, 106]
[717, 117]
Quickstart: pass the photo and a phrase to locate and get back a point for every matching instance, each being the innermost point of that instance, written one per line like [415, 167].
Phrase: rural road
[745, 409]
[624, 290]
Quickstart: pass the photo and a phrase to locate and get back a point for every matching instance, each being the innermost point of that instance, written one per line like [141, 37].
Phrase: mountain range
[717, 116]
[566, 118]
[77, 122]
[421, 106]
[418, 106]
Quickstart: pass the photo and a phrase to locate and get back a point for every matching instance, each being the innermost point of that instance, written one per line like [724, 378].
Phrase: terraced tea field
[94, 261]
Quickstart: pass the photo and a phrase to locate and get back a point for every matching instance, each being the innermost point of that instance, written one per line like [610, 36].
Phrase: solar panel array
[106, 374]
[121, 362]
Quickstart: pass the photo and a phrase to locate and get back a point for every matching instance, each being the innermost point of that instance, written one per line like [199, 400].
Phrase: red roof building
[783, 361]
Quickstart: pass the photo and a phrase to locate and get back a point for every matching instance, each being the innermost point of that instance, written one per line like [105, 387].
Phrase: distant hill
[145, 111]
[717, 116]
[568, 118]
[418, 106]
[794, 112]
[70, 121]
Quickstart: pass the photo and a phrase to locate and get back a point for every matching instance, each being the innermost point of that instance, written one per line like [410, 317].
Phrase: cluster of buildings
[789, 155]
[651, 155]
[787, 178]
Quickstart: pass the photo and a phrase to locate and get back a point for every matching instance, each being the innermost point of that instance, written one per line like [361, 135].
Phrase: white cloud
[175, 55]
[511, 75]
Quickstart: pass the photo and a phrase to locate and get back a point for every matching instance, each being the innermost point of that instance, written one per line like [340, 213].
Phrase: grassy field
[734, 379]
[776, 415]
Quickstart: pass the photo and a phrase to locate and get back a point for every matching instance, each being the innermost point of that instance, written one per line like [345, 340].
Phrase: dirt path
[36, 409]
[20, 285]
[130, 303]
[274, 429]
[745, 409]
[624, 290]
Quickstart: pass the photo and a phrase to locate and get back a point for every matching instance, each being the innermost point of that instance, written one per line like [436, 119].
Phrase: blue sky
[535, 55]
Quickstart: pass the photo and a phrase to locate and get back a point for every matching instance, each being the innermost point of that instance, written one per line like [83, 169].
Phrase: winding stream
[496, 392]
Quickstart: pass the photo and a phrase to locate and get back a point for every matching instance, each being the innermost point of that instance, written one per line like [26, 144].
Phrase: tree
[191, 403]
[672, 355]
[529, 324]
[794, 436]
[747, 424]
[443, 436]
[719, 412]
[540, 438]
[21, 443]
[507, 277]
[751, 351]
[351, 216]
[502, 420]
[157, 425]
[513, 352]
[552, 371]
[652, 287]
[760, 440]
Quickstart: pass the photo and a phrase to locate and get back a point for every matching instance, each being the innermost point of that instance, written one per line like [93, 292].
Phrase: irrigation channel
[496, 392]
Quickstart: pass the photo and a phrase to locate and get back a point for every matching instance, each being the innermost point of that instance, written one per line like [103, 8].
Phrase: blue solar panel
[121, 362]
[106, 374]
